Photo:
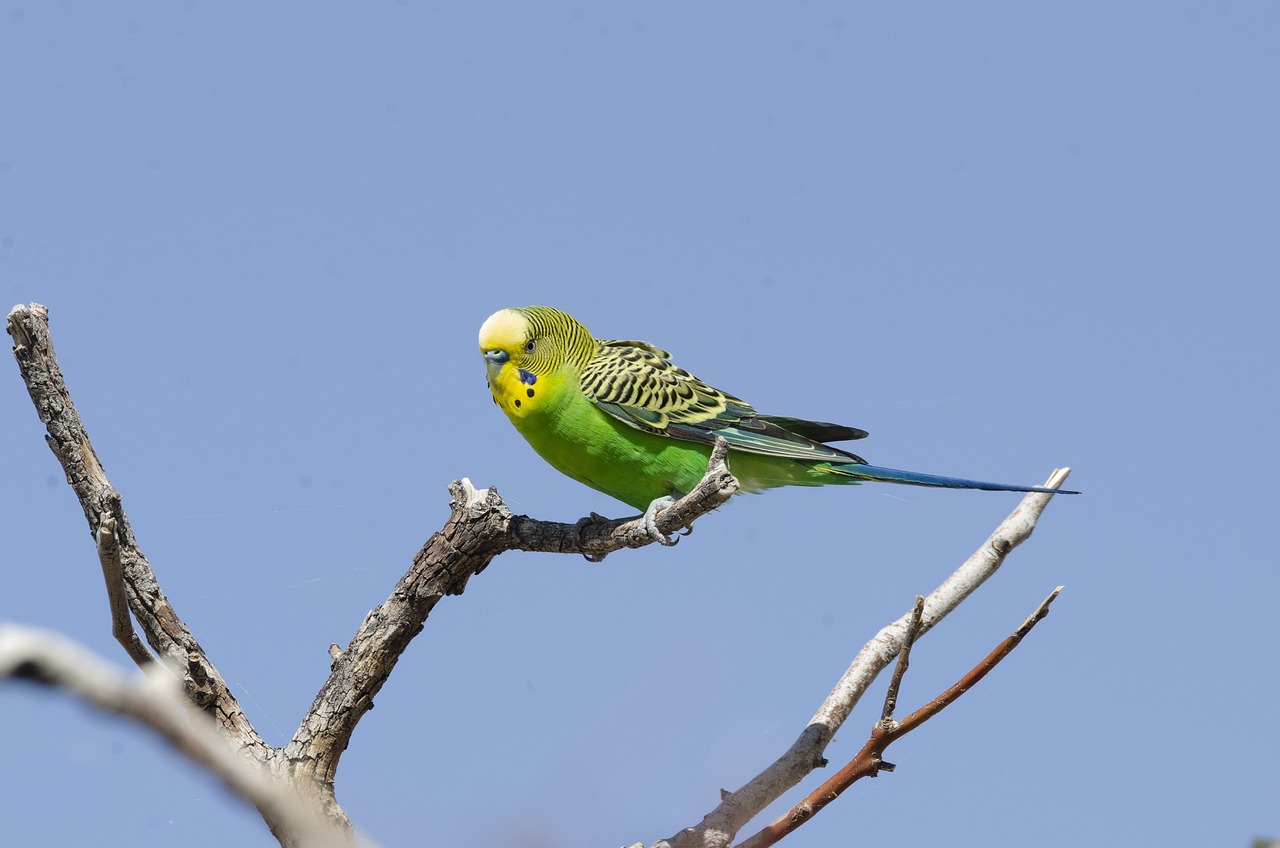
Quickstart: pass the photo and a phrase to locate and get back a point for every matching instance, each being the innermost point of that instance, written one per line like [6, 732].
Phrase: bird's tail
[858, 471]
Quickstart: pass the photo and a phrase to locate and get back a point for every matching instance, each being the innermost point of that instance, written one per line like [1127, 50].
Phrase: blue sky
[1001, 237]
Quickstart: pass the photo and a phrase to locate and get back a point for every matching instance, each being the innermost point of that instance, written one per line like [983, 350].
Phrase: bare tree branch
[869, 761]
[154, 700]
[164, 630]
[904, 660]
[113, 574]
[718, 827]
[480, 527]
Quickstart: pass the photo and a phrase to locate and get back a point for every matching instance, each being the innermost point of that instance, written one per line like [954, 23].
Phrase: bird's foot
[650, 519]
[584, 523]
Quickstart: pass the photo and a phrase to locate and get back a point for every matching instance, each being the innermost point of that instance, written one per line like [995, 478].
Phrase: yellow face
[534, 356]
[506, 338]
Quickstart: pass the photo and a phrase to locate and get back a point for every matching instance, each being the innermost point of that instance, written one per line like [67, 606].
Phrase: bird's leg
[584, 523]
[650, 519]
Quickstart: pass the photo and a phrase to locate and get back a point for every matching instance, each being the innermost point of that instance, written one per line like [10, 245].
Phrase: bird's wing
[637, 383]
[819, 431]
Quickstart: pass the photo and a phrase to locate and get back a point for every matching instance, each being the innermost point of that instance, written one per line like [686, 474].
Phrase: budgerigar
[621, 418]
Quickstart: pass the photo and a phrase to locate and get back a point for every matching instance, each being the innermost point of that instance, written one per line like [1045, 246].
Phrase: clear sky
[1000, 237]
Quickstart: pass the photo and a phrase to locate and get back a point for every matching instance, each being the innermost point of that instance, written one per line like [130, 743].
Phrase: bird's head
[532, 341]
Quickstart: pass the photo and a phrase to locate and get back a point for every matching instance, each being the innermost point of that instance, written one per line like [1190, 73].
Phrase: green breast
[592, 447]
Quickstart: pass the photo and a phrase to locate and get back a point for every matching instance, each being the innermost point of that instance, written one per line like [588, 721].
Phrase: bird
[622, 418]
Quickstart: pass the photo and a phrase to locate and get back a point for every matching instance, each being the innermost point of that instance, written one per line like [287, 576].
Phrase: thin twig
[978, 672]
[718, 827]
[113, 574]
[870, 760]
[904, 660]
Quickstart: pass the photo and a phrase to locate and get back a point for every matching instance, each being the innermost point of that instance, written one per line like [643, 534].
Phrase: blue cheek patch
[528, 377]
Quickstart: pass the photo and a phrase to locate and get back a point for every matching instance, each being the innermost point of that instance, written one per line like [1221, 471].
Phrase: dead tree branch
[718, 827]
[904, 660]
[869, 761]
[164, 630]
[153, 699]
[480, 527]
[113, 573]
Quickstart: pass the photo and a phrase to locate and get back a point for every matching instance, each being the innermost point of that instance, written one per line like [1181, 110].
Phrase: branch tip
[869, 761]
[470, 495]
[1058, 477]
[807, 752]
[1040, 613]
[904, 661]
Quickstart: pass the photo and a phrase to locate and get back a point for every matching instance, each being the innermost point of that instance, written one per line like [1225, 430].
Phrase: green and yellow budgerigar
[621, 418]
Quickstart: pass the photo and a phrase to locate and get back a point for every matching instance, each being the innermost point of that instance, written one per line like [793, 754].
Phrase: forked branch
[719, 827]
[870, 761]
[479, 527]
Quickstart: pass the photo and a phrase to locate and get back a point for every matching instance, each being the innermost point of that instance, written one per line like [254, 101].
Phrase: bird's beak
[494, 359]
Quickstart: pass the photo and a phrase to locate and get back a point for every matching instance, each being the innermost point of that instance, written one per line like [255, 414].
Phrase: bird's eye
[529, 346]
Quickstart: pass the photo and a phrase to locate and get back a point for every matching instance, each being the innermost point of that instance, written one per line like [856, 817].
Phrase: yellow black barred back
[640, 377]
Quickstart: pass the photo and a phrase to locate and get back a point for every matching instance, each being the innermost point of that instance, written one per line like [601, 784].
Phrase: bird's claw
[650, 522]
[582, 524]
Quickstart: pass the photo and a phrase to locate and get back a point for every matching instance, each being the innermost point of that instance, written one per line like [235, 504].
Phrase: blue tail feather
[915, 478]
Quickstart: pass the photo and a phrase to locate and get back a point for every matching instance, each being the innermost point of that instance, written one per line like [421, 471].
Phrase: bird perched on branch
[621, 418]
